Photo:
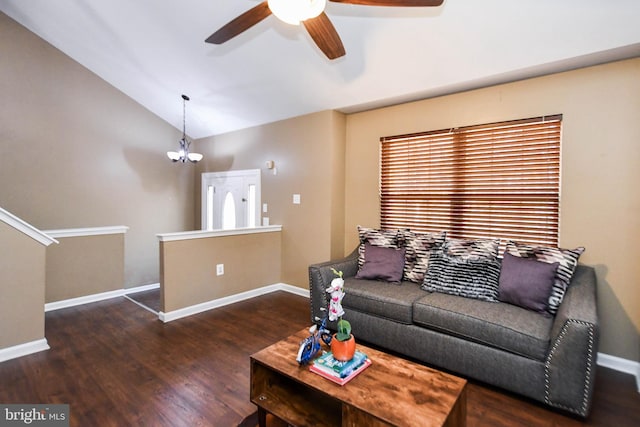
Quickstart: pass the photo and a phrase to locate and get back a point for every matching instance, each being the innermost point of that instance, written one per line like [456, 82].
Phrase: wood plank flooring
[149, 300]
[117, 365]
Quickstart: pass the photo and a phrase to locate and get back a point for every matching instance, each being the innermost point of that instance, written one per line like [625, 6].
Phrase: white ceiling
[154, 51]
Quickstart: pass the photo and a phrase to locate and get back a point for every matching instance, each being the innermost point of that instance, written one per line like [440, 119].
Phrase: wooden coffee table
[390, 392]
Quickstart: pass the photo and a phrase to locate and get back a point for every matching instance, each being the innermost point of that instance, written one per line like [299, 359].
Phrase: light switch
[265, 208]
[296, 199]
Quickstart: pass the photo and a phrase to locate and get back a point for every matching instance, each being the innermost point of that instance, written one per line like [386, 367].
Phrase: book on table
[336, 367]
[340, 372]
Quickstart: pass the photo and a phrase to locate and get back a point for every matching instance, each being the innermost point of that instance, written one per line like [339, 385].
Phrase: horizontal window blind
[494, 180]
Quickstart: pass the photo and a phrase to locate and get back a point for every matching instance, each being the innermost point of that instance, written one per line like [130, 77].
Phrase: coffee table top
[392, 389]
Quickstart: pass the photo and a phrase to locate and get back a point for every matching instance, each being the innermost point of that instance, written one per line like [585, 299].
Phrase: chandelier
[183, 155]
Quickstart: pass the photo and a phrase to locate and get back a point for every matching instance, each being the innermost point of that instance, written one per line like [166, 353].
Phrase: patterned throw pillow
[472, 249]
[376, 237]
[418, 246]
[466, 277]
[567, 260]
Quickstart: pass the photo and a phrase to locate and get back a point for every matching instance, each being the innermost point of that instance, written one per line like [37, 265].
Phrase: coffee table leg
[262, 417]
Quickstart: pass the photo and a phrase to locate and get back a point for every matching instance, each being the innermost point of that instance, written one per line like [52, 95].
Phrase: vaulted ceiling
[154, 51]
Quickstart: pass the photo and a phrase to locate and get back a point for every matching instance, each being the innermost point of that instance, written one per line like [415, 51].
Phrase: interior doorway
[231, 199]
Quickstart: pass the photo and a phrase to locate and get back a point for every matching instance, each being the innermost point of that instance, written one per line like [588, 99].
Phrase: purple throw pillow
[382, 264]
[526, 282]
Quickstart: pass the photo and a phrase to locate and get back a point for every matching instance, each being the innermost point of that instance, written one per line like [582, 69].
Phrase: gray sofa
[549, 359]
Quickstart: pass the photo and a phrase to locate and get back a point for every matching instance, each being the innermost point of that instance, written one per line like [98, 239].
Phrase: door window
[229, 212]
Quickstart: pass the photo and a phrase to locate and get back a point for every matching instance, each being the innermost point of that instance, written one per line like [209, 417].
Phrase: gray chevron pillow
[472, 249]
[418, 248]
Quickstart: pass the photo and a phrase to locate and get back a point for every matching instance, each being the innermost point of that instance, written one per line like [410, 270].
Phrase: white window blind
[493, 180]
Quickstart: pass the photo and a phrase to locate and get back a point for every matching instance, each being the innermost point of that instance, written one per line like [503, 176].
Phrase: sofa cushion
[526, 282]
[418, 247]
[381, 299]
[386, 264]
[498, 325]
[470, 249]
[376, 237]
[567, 260]
[471, 277]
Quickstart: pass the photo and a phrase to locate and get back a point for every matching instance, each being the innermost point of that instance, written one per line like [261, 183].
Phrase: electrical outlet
[296, 199]
[219, 269]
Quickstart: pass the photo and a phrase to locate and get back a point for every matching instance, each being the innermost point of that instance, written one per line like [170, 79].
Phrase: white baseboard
[293, 290]
[621, 365]
[23, 349]
[57, 305]
[220, 302]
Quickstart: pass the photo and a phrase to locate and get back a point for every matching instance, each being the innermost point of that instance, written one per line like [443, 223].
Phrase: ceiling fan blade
[325, 35]
[400, 3]
[242, 23]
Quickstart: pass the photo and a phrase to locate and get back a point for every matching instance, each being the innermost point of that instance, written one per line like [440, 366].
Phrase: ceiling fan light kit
[183, 154]
[295, 11]
[311, 14]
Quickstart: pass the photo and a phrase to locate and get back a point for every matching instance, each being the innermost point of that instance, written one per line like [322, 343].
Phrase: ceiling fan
[308, 12]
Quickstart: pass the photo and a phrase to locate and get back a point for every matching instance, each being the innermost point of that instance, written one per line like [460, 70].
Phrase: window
[494, 180]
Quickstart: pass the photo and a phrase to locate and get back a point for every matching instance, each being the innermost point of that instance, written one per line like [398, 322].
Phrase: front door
[230, 199]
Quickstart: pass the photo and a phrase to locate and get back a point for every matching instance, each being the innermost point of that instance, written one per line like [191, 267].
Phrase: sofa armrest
[571, 362]
[320, 277]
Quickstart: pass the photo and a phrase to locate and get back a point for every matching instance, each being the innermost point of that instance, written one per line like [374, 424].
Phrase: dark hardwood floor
[117, 365]
[150, 300]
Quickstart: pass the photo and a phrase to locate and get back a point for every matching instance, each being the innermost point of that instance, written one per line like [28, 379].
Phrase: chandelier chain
[185, 98]
[183, 155]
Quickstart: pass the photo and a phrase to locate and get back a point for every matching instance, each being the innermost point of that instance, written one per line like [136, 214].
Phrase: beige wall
[76, 152]
[309, 154]
[84, 265]
[188, 267]
[600, 201]
[22, 275]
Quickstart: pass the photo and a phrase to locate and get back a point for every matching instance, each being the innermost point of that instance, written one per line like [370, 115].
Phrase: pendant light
[183, 155]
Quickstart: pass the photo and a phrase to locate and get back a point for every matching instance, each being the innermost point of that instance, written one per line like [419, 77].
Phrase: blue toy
[311, 345]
